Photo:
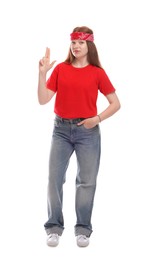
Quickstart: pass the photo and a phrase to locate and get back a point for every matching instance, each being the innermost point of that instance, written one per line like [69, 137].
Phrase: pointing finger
[47, 53]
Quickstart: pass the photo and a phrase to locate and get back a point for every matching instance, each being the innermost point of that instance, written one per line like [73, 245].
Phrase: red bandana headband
[82, 36]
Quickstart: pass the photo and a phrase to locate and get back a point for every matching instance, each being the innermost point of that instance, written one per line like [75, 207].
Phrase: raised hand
[44, 63]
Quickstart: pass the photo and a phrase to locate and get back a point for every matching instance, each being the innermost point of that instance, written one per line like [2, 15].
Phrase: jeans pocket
[89, 129]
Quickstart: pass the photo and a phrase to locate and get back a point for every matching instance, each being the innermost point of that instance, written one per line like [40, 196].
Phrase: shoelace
[53, 235]
[83, 236]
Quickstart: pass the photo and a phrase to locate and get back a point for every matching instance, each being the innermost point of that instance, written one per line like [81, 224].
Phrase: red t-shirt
[77, 89]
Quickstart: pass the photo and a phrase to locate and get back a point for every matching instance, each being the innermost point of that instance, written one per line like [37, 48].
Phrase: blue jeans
[67, 138]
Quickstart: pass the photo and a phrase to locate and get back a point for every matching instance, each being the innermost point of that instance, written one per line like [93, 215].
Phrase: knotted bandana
[82, 36]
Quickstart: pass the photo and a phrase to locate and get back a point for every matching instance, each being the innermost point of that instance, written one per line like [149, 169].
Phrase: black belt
[71, 121]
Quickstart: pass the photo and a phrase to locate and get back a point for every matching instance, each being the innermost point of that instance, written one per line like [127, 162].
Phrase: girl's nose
[76, 44]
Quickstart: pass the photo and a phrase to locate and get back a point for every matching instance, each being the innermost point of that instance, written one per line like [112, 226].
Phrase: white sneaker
[82, 240]
[53, 240]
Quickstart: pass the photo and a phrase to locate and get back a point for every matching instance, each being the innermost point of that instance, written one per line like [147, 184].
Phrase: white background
[122, 210]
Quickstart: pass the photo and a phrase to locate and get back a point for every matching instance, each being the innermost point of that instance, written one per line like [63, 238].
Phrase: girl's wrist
[99, 118]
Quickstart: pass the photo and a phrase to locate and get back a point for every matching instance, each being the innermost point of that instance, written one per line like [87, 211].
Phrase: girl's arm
[114, 106]
[44, 94]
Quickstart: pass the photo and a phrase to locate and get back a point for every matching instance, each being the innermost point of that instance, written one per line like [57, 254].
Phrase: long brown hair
[92, 56]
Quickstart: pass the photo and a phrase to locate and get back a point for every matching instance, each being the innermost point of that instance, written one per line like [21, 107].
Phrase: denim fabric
[67, 138]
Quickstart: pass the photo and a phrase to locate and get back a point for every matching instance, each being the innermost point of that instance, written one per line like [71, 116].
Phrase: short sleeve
[105, 86]
[52, 81]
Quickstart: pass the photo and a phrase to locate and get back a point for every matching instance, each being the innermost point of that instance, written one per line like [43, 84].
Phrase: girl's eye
[80, 42]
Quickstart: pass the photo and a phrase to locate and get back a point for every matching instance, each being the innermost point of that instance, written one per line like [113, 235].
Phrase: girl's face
[79, 48]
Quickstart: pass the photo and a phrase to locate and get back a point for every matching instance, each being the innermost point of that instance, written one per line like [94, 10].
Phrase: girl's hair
[93, 57]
